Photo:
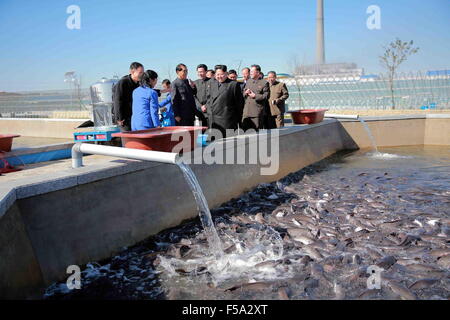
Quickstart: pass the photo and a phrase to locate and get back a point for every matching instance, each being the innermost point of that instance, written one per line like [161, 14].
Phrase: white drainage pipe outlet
[147, 155]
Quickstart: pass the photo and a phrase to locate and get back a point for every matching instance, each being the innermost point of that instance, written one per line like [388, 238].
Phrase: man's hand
[251, 94]
[247, 91]
[120, 122]
[178, 119]
[203, 108]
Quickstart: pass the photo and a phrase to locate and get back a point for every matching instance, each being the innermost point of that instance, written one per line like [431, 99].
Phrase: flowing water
[310, 235]
[203, 209]
[369, 133]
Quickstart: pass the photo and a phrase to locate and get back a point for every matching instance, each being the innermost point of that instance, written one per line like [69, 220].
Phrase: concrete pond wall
[47, 128]
[75, 216]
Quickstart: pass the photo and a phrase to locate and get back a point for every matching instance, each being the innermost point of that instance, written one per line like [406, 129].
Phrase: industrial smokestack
[320, 50]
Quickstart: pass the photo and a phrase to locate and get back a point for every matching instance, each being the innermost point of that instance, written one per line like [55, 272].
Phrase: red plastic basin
[160, 139]
[6, 141]
[308, 116]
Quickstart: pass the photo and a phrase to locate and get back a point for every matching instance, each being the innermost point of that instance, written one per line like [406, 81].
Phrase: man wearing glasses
[183, 101]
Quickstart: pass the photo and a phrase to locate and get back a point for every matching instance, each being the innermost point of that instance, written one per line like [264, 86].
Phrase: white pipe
[157, 156]
[342, 116]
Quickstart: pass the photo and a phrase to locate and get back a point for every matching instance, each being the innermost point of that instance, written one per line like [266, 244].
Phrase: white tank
[101, 91]
[102, 102]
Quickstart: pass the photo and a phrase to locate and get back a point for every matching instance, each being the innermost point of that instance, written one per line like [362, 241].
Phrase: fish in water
[402, 291]
[251, 286]
[338, 291]
[312, 252]
[283, 293]
[423, 284]
[409, 239]
[326, 229]
[444, 261]
[369, 294]
[386, 262]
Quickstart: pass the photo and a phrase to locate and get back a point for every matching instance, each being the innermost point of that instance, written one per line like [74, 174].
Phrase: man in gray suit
[225, 102]
[256, 94]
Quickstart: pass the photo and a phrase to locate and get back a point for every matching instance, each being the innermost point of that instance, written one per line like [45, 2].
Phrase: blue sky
[37, 47]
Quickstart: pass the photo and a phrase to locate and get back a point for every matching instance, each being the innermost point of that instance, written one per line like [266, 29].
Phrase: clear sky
[37, 48]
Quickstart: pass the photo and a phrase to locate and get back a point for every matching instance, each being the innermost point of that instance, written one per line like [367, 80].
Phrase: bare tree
[169, 72]
[74, 81]
[296, 70]
[239, 66]
[395, 54]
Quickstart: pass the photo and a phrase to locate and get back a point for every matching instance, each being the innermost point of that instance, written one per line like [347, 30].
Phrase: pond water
[315, 234]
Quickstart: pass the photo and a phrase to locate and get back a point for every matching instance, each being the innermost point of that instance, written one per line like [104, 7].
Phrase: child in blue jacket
[168, 118]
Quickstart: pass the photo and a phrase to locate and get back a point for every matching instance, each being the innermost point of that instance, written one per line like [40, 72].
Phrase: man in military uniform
[202, 96]
[256, 95]
[278, 95]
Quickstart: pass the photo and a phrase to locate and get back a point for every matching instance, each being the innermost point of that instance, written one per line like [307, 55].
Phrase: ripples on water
[310, 235]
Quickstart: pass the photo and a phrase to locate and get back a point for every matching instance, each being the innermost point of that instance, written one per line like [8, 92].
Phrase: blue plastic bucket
[202, 140]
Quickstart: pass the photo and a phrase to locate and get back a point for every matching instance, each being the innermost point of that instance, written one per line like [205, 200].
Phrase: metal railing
[45, 104]
[411, 91]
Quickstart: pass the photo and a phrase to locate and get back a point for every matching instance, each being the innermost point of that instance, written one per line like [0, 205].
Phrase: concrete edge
[28, 187]
[7, 198]
[39, 149]
[44, 119]
[399, 117]
[438, 116]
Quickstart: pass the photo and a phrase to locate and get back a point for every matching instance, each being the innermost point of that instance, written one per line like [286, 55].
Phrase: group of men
[216, 98]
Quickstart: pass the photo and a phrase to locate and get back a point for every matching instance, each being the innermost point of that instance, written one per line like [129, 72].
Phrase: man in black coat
[183, 102]
[245, 78]
[225, 101]
[123, 96]
[201, 97]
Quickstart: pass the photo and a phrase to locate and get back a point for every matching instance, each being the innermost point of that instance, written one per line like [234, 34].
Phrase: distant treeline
[3, 93]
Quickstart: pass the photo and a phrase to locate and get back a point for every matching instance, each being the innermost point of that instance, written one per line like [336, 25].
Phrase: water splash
[377, 154]
[203, 208]
[247, 249]
[250, 258]
[388, 156]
